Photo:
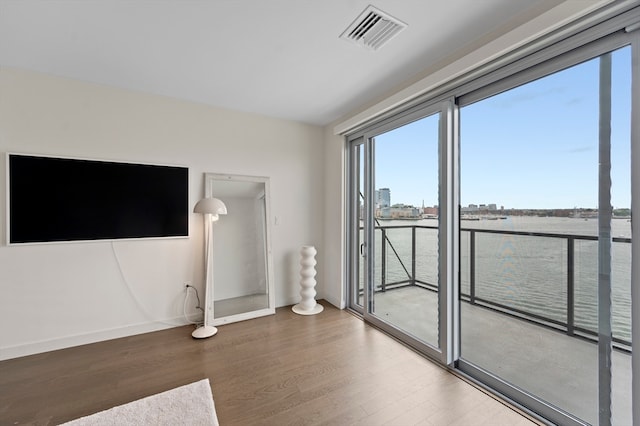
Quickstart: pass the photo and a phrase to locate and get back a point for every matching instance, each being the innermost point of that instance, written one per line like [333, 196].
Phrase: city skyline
[481, 206]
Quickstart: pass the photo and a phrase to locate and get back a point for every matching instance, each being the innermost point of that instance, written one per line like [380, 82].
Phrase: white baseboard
[31, 348]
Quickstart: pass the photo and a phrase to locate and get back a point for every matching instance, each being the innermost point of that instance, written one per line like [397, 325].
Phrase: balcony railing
[475, 249]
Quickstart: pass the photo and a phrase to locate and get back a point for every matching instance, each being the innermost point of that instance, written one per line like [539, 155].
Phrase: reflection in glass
[529, 264]
[406, 256]
[241, 271]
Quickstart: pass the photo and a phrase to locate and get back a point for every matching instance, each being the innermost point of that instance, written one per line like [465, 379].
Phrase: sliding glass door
[395, 201]
[405, 219]
[490, 227]
[546, 239]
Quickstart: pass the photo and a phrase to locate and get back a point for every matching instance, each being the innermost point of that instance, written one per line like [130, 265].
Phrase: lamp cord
[133, 295]
[184, 305]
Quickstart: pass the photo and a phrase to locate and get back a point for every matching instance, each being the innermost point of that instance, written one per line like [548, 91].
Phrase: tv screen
[63, 199]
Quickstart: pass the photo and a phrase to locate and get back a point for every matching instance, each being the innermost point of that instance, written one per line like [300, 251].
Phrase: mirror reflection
[241, 270]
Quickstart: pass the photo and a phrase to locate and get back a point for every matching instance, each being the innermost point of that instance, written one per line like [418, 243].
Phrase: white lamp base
[204, 332]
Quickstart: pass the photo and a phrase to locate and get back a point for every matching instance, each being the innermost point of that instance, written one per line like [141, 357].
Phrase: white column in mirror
[308, 305]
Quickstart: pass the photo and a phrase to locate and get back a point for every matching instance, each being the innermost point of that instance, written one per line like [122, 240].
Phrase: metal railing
[567, 326]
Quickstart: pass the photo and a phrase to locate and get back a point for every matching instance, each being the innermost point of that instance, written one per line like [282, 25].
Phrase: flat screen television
[63, 199]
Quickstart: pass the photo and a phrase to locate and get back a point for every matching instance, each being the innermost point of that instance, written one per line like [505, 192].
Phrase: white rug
[187, 405]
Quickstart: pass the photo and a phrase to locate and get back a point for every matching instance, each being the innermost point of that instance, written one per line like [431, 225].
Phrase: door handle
[362, 249]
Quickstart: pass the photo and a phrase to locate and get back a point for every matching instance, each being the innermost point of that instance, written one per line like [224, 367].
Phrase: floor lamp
[211, 208]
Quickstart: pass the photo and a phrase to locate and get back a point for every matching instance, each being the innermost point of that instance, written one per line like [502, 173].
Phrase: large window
[532, 177]
[490, 226]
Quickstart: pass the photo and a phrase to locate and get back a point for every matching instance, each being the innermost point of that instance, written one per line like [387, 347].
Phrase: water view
[520, 270]
[541, 155]
[528, 273]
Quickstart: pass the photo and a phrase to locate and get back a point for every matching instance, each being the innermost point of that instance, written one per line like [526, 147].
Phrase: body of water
[528, 273]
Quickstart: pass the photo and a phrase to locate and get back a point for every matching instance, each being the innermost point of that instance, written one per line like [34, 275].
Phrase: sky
[535, 146]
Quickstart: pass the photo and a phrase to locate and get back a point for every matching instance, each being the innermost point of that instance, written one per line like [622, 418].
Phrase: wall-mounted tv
[63, 199]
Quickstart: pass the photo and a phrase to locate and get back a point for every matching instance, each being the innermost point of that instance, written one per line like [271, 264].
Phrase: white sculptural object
[308, 304]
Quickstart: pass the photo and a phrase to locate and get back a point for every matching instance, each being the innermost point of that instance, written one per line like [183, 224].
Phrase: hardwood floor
[284, 369]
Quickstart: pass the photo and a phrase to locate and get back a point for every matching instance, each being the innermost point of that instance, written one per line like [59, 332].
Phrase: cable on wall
[184, 305]
[133, 295]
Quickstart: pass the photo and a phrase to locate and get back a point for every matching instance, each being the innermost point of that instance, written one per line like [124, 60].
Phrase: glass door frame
[447, 350]
[354, 245]
[584, 53]
[610, 32]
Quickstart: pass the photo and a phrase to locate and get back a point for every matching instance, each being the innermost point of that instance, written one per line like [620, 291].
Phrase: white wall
[334, 218]
[58, 295]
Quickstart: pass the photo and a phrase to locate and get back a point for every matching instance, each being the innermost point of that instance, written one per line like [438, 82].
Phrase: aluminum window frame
[594, 35]
[573, 55]
[448, 245]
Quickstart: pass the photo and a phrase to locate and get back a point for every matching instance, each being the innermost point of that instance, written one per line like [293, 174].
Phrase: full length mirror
[242, 286]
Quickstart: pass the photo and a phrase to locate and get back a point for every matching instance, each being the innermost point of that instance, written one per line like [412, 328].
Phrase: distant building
[383, 198]
[431, 211]
[400, 211]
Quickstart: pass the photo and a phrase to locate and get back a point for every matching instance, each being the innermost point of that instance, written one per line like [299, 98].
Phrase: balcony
[528, 311]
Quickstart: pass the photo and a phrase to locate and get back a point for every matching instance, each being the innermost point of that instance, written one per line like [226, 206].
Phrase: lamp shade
[211, 206]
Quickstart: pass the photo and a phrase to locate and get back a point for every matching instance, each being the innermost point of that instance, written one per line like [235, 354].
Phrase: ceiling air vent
[373, 28]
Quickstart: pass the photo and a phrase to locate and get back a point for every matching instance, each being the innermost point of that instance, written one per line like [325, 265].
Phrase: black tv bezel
[102, 162]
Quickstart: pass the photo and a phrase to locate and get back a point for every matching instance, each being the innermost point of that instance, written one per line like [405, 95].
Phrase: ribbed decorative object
[308, 305]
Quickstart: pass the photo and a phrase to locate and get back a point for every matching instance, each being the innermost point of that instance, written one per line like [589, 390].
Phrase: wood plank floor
[283, 369]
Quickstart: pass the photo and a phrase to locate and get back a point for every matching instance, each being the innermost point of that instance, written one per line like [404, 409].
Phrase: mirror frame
[209, 180]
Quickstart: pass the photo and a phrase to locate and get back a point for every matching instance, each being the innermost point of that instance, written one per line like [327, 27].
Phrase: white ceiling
[280, 58]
